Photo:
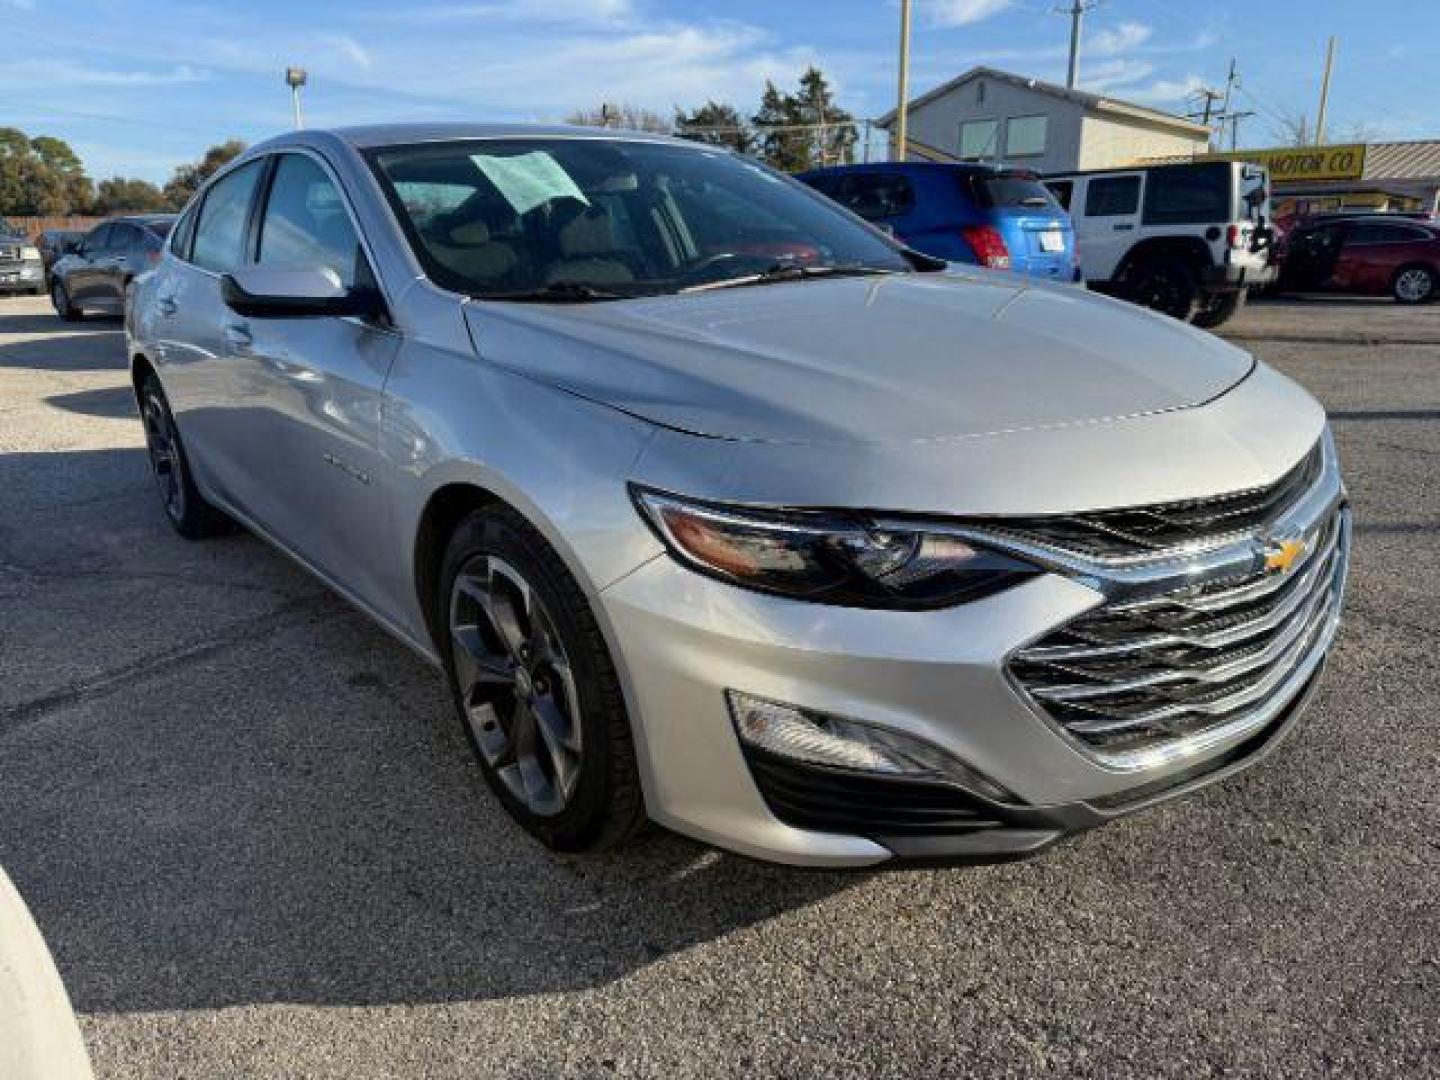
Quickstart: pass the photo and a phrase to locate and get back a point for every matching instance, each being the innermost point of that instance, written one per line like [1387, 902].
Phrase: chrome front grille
[1185, 653]
[1146, 531]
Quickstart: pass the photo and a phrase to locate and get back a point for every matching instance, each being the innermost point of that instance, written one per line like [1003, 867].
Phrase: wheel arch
[1191, 249]
[446, 507]
[140, 369]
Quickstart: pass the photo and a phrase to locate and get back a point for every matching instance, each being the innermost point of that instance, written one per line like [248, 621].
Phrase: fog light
[821, 739]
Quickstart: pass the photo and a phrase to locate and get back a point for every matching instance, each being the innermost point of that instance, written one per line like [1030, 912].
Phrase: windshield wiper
[560, 292]
[791, 272]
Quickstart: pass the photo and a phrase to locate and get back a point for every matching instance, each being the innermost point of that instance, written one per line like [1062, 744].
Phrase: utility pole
[1235, 119]
[1324, 93]
[902, 107]
[1076, 11]
[1231, 81]
[295, 78]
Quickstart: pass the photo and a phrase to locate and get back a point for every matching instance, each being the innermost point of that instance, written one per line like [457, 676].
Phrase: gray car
[95, 272]
[718, 507]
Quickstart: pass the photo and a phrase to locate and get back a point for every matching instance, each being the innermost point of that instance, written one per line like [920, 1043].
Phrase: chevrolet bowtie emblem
[1281, 555]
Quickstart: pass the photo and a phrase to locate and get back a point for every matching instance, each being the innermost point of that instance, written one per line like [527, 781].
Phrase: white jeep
[1189, 240]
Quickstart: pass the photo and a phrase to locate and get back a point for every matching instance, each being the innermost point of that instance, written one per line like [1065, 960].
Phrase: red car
[1364, 256]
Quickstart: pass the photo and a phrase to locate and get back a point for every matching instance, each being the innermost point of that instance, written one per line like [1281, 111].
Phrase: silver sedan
[718, 507]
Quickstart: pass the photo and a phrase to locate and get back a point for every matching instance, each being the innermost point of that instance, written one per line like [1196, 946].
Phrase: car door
[1311, 257]
[124, 258]
[1109, 222]
[319, 382]
[1371, 253]
[213, 403]
[82, 274]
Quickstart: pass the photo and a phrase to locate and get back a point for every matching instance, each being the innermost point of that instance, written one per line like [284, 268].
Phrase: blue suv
[997, 217]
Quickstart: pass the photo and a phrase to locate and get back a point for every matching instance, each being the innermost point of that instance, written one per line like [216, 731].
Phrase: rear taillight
[988, 245]
[1233, 236]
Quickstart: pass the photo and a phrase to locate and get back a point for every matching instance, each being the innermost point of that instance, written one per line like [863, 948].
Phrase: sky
[139, 86]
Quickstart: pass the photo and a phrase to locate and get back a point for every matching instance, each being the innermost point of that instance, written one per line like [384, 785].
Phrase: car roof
[972, 167]
[372, 135]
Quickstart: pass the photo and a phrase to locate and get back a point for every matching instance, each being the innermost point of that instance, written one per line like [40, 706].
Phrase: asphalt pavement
[249, 827]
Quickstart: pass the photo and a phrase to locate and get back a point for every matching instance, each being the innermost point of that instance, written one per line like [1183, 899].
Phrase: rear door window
[1062, 190]
[220, 232]
[876, 196]
[1112, 196]
[1384, 232]
[1188, 196]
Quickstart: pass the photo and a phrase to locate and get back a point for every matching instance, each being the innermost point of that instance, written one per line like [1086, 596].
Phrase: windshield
[588, 218]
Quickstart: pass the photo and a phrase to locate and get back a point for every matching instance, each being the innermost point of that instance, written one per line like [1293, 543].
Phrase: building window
[1025, 136]
[979, 139]
[1112, 196]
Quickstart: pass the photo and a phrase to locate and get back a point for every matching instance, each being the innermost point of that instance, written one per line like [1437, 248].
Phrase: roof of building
[1403, 160]
[1097, 102]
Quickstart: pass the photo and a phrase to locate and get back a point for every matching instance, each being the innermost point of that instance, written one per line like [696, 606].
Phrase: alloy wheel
[516, 685]
[164, 456]
[1414, 285]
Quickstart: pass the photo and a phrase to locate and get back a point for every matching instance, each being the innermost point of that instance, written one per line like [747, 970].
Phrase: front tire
[534, 686]
[1218, 309]
[185, 508]
[1414, 285]
[67, 311]
[1169, 286]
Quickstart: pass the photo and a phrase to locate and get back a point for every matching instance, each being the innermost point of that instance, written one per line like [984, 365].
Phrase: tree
[718, 125]
[188, 179]
[806, 129]
[628, 117]
[40, 176]
[122, 193]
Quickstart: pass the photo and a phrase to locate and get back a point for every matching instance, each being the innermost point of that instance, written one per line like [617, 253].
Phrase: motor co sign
[1307, 163]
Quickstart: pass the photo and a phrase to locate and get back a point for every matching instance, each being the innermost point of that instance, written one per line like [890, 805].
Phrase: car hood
[910, 357]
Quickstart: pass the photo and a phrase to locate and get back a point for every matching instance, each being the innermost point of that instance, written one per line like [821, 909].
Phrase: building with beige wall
[996, 116]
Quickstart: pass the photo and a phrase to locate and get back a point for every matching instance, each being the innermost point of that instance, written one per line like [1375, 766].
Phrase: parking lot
[249, 826]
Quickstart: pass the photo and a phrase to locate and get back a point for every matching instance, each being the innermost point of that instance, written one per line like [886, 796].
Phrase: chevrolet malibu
[719, 508]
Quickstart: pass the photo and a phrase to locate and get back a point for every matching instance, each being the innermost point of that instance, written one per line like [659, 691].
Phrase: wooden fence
[33, 226]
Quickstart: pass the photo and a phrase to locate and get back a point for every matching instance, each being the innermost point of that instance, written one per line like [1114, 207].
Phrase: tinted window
[305, 222]
[220, 233]
[98, 240]
[1025, 136]
[1384, 232]
[125, 237]
[1188, 196]
[1062, 190]
[631, 218]
[1009, 190]
[160, 227]
[876, 196]
[1110, 196]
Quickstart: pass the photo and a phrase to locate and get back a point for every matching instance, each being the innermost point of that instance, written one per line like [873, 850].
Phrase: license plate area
[1052, 240]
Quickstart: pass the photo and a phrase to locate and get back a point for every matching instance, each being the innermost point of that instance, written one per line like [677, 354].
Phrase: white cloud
[69, 74]
[961, 12]
[1114, 41]
[528, 11]
[352, 50]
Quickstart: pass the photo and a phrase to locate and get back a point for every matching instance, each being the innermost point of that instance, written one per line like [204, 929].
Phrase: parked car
[1189, 240]
[21, 270]
[53, 243]
[1367, 255]
[828, 560]
[98, 271]
[1005, 219]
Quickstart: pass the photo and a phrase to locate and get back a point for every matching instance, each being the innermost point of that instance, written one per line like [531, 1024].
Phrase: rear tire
[1414, 285]
[185, 508]
[1218, 309]
[1169, 286]
[534, 686]
[67, 311]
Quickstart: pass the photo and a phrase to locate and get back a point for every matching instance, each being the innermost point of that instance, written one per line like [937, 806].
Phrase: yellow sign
[1305, 162]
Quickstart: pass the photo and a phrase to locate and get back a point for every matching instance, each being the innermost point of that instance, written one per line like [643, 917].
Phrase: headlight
[829, 558]
[28, 252]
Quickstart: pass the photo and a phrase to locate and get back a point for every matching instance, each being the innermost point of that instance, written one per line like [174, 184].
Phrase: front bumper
[21, 276]
[940, 676]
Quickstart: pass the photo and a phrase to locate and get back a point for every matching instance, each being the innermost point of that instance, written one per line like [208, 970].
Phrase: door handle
[1124, 228]
[239, 337]
[119, 258]
[167, 305]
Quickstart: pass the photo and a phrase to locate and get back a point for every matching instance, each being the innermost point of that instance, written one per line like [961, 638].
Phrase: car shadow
[92, 345]
[222, 785]
[115, 402]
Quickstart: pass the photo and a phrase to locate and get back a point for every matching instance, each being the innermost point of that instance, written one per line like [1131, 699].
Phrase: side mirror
[298, 292]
